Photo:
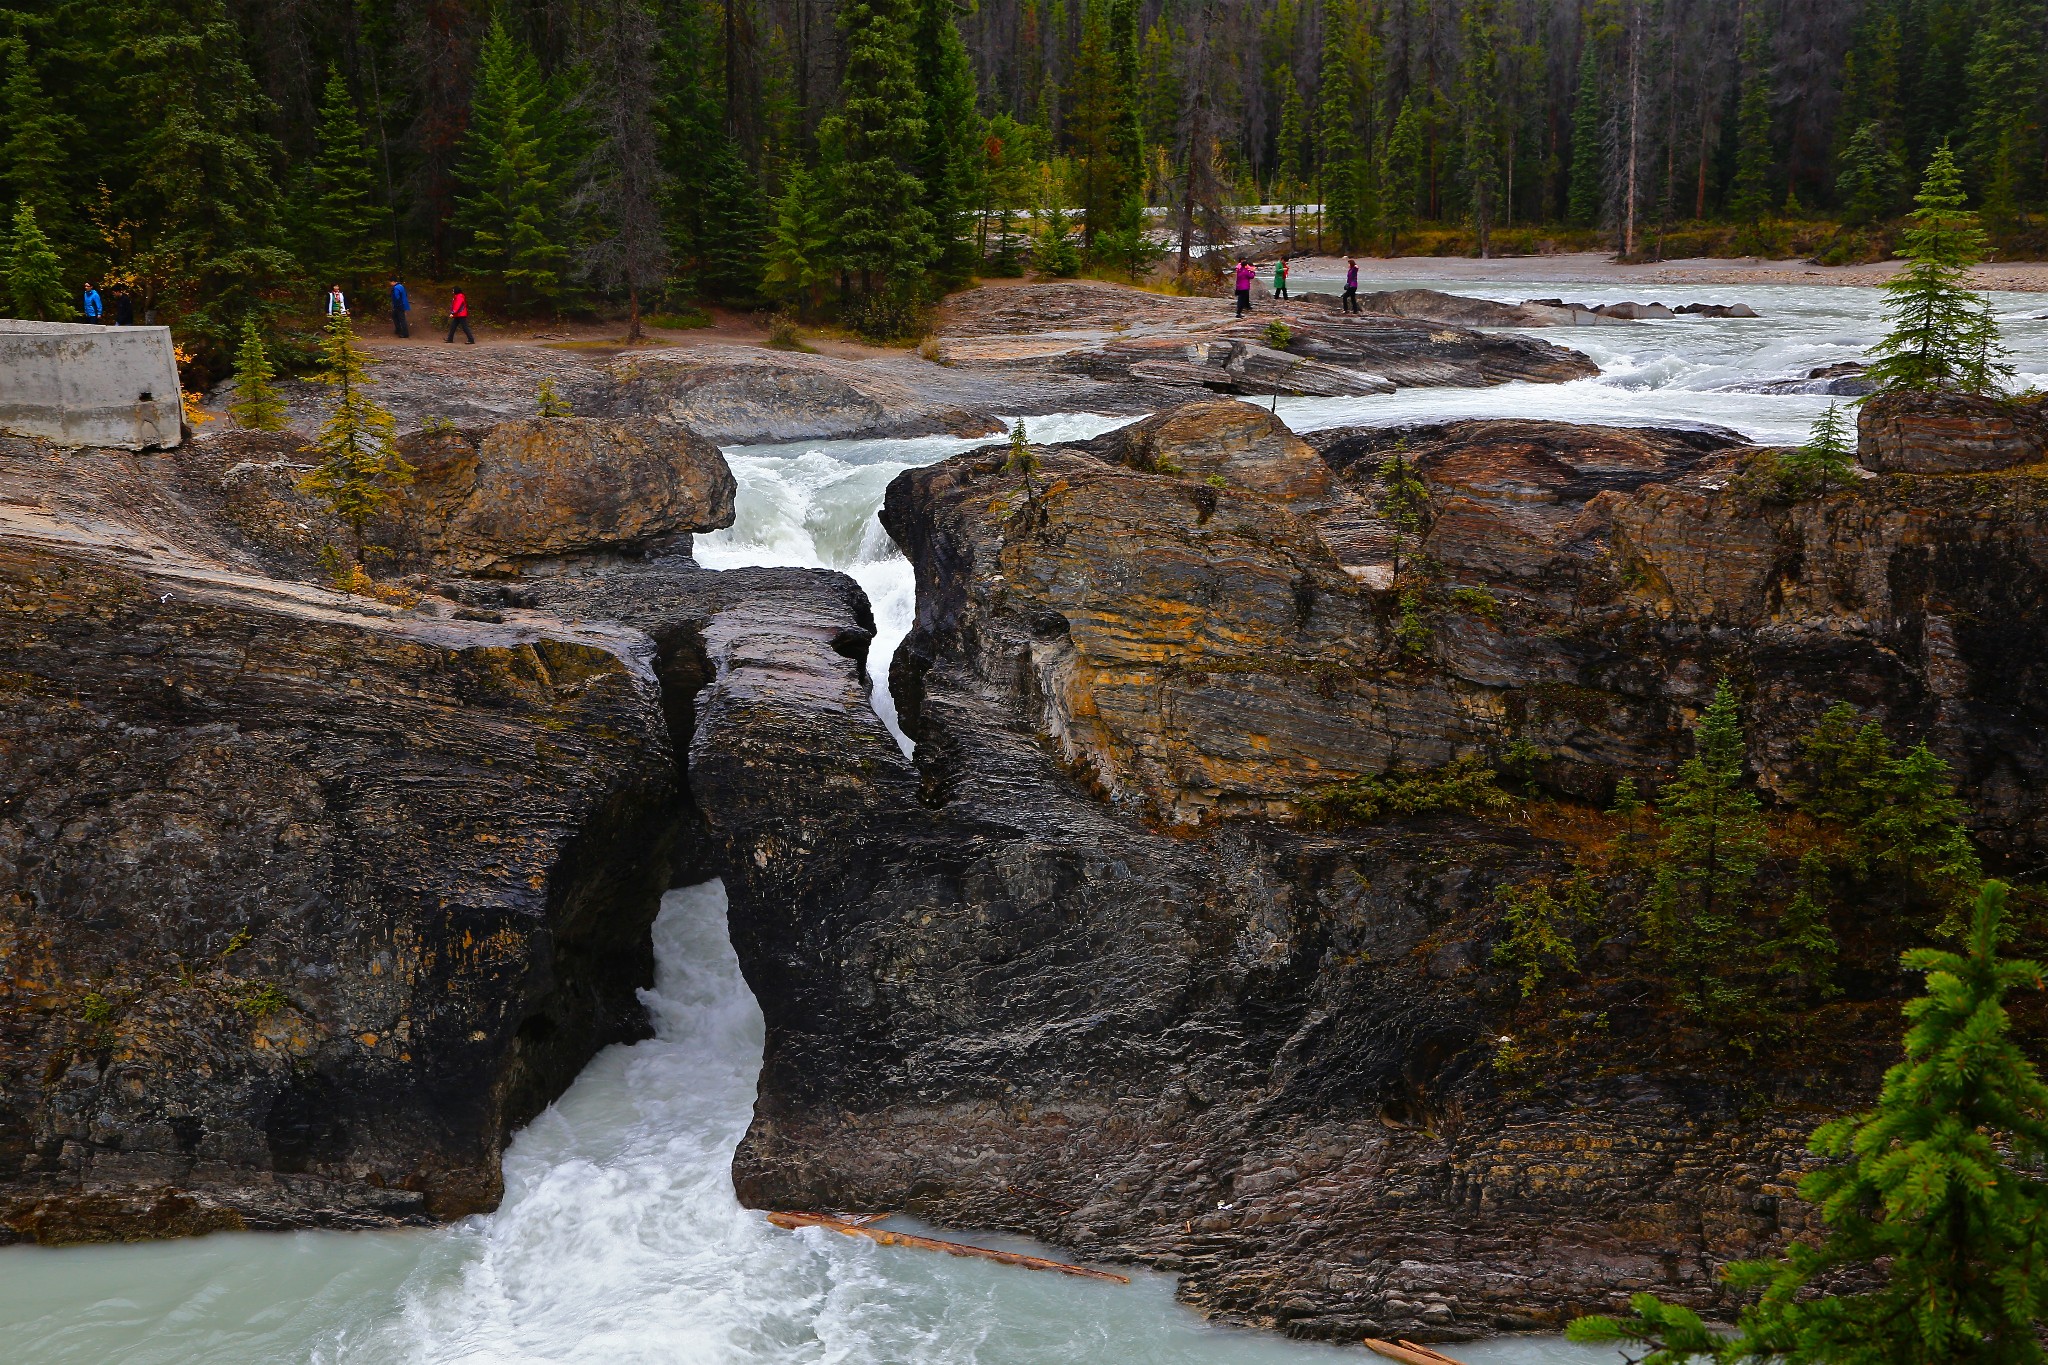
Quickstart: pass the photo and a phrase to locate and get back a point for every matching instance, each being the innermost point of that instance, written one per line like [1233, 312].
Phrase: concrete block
[78, 384]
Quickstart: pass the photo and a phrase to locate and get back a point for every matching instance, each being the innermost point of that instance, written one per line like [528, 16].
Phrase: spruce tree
[799, 245]
[2004, 79]
[1933, 1199]
[203, 191]
[35, 277]
[1340, 160]
[33, 156]
[1825, 460]
[1287, 170]
[1870, 178]
[1712, 849]
[950, 160]
[883, 222]
[1587, 194]
[1481, 109]
[1942, 335]
[1749, 197]
[730, 224]
[359, 468]
[1054, 253]
[257, 404]
[1400, 175]
[507, 197]
[621, 182]
[344, 230]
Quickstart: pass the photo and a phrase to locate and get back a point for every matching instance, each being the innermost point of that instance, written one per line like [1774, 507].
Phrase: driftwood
[860, 1228]
[1410, 1353]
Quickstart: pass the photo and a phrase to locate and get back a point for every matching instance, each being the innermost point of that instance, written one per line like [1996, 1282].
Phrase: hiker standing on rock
[401, 309]
[458, 316]
[1244, 286]
[1280, 278]
[1351, 284]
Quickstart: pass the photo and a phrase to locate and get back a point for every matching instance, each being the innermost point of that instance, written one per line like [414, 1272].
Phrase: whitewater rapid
[620, 1239]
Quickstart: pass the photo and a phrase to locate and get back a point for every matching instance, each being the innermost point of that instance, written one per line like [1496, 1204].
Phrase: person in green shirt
[1280, 278]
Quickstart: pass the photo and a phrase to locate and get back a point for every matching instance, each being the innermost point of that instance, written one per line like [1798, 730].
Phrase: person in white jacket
[335, 302]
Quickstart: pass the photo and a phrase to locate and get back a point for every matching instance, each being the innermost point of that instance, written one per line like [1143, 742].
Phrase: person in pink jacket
[1244, 286]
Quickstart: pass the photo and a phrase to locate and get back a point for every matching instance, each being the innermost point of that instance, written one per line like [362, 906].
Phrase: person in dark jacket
[458, 316]
[124, 306]
[1351, 284]
[401, 308]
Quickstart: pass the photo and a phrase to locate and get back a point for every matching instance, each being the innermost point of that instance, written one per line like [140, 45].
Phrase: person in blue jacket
[401, 306]
[91, 304]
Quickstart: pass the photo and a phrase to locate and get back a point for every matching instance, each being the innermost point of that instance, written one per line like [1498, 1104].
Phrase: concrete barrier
[82, 385]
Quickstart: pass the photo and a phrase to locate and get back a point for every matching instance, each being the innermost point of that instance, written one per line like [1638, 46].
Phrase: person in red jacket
[1244, 286]
[458, 316]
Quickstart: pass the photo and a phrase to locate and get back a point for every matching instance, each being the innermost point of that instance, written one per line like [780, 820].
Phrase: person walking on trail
[1351, 284]
[401, 308]
[458, 316]
[91, 303]
[337, 306]
[124, 306]
[1244, 286]
[1280, 278]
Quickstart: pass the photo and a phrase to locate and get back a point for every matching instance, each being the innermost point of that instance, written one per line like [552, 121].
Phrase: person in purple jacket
[1244, 286]
[1351, 284]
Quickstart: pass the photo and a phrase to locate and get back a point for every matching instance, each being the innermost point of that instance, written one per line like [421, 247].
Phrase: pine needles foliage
[35, 283]
[1943, 336]
[360, 469]
[1826, 459]
[257, 404]
[1936, 1194]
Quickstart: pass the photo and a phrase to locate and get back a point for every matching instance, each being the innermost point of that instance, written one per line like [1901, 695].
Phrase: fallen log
[888, 1238]
[1409, 1353]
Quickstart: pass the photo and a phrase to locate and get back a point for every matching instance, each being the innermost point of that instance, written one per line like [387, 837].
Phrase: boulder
[1634, 312]
[1717, 310]
[1948, 433]
[521, 494]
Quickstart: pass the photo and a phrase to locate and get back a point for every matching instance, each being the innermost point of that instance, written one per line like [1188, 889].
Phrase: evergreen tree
[799, 245]
[33, 157]
[884, 226]
[621, 183]
[1749, 197]
[1934, 1198]
[1287, 171]
[950, 160]
[359, 467]
[729, 225]
[1054, 253]
[1400, 175]
[1712, 849]
[1481, 101]
[1343, 170]
[1942, 335]
[1871, 177]
[256, 404]
[343, 229]
[1824, 461]
[35, 277]
[2004, 80]
[507, 206]
[203, 192]
[1587, 197]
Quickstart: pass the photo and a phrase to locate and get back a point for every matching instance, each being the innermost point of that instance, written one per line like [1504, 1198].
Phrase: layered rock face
[1949, 433]
[306, 900]
[1082, 971]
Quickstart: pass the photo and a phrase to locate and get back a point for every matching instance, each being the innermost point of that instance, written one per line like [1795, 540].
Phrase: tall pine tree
[35, 279]
[950, 160]
[344, 237]
[1586, 195]
[1400, 175]
[1942, 335]
[507, 206]
[884, 224]
[33, 156]
[1750, 197]
[1340, 160]
[621, 183]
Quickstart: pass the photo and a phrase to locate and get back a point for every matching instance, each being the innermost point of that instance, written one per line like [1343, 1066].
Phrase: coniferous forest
[228, 156]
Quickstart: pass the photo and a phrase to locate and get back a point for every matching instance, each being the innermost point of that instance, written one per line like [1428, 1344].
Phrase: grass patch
[1464, 785]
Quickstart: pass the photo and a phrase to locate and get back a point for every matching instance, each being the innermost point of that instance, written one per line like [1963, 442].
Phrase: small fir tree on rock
[257, 404]
[1826, 459]
[360, 469]
[1934, 1197]
[548, 403]
[1943, 336]
[35, 281]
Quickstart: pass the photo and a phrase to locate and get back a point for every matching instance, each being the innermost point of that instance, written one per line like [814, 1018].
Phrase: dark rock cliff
[1080, 971]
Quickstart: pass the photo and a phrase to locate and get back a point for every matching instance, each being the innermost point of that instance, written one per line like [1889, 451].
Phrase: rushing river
[620, 1239]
